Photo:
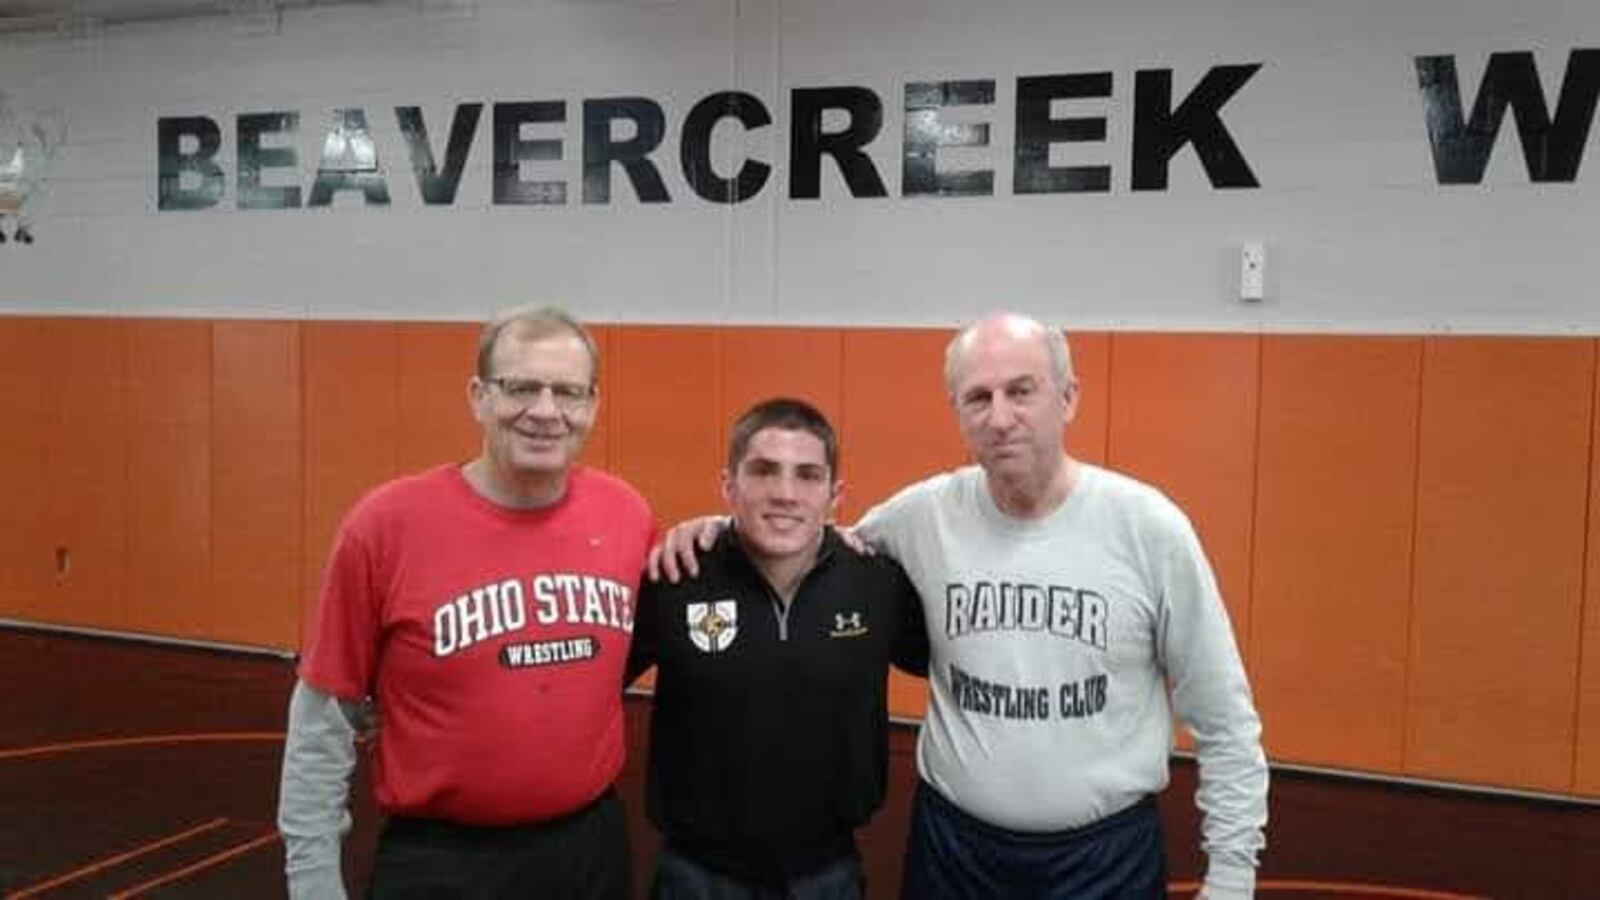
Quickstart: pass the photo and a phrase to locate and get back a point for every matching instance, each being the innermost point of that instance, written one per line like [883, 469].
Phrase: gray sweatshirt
[1060, 648]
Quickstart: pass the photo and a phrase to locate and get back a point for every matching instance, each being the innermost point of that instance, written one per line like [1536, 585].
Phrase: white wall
[1360, 236]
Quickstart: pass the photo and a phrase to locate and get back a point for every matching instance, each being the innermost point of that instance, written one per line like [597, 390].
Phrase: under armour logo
[848, 625]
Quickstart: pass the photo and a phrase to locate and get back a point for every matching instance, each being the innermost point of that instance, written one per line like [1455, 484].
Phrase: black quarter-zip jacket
[769, 734]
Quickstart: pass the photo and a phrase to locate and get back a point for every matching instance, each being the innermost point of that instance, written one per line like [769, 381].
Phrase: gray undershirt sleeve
[319, 756]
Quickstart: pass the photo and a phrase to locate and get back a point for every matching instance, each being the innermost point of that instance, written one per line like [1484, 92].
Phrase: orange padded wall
[1183, 417]
[761, 363]
[896, 424]
[351, 417]
[1089, 432]
[65, 486]
[257, 482]
[29, 409]
[597, 451]
[433, 364]
[1497, 600]
[665, 416]
[1335, 505]
[1587, 777]
[169, 488]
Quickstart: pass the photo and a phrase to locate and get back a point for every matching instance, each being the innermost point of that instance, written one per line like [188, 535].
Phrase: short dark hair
[789, 414]
[534, 322]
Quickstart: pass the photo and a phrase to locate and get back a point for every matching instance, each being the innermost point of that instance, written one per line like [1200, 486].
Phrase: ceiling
[74, 15]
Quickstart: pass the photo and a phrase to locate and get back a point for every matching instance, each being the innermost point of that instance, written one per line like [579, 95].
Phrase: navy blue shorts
[950, 854]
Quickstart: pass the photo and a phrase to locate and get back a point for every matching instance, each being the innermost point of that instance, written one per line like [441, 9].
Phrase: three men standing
[1070, 612]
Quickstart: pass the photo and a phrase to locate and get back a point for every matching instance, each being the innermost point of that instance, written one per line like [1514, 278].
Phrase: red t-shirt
[493, 639]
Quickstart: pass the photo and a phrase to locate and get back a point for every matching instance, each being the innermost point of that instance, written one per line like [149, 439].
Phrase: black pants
[679, 877]
[583, 856]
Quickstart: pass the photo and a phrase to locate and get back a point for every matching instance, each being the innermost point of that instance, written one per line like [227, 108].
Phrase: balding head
[1008, 326]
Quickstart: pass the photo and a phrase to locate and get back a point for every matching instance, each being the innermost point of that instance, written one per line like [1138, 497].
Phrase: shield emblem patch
[714, 625]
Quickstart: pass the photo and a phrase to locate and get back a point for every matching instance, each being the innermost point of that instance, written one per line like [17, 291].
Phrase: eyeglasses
[568, 397]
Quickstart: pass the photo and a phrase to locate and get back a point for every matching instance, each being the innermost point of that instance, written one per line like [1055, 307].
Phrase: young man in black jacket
[769, 736]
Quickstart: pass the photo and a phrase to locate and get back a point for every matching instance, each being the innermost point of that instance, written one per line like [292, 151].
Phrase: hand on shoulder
[675, 555]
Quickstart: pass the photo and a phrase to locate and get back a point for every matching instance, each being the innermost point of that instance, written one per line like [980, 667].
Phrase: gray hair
[535, 322]
[1055, 344]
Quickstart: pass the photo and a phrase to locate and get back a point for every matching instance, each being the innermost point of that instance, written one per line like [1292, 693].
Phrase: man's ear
[477, 392]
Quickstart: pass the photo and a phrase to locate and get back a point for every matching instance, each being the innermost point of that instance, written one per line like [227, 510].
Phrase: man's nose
[543, 404]
[1002, 415]
[785, 488]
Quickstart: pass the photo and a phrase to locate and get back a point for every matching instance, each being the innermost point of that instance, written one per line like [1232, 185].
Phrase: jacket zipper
[778, 608]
